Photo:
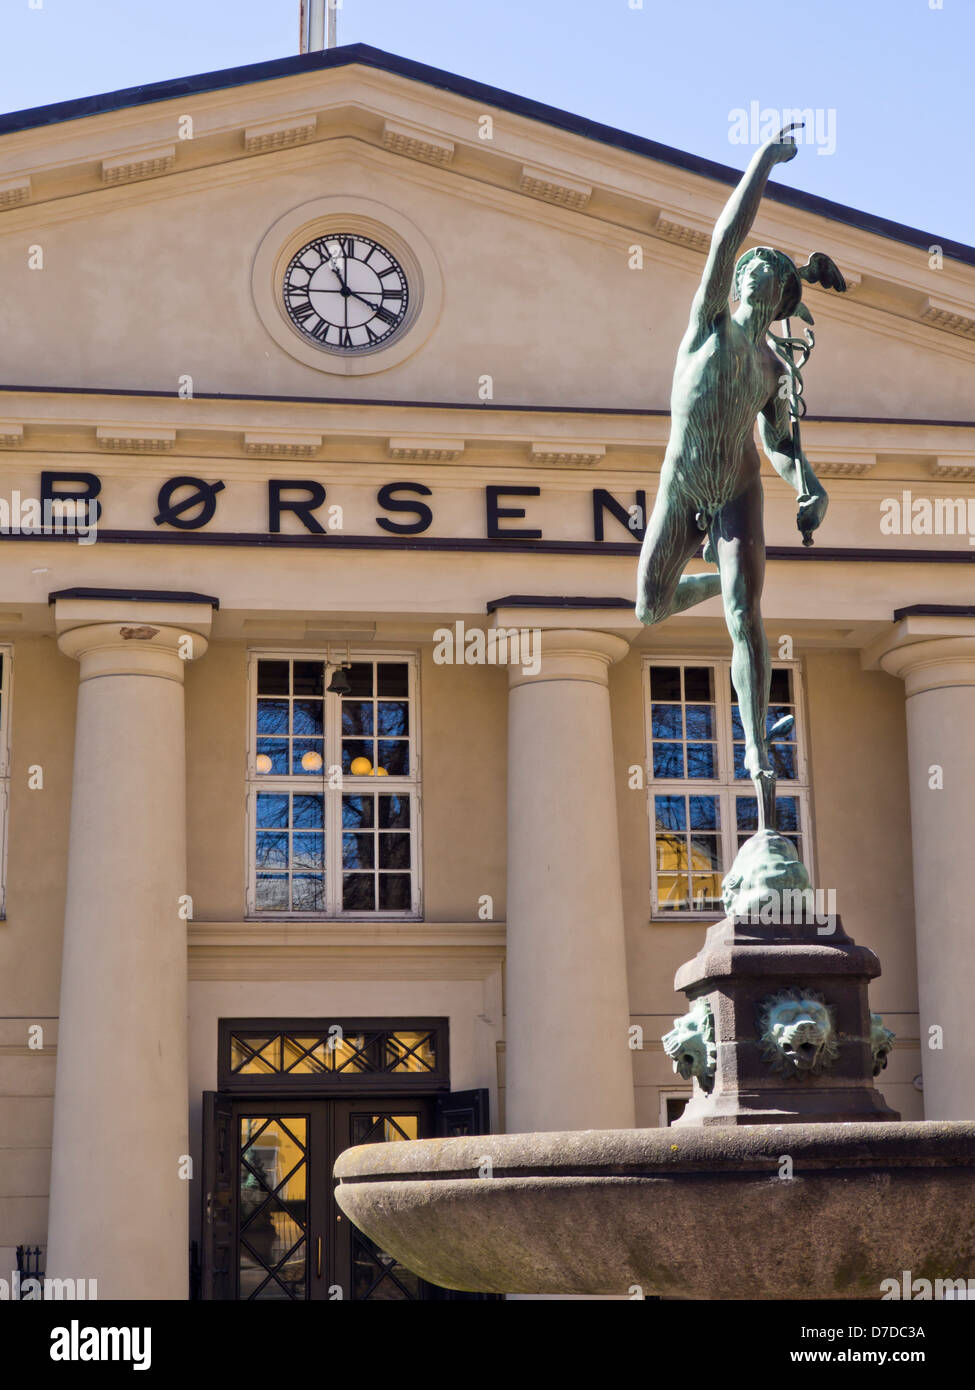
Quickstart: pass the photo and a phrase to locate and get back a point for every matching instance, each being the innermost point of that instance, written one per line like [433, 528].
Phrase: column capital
[928, 651]
[121, 637]
[570, 654]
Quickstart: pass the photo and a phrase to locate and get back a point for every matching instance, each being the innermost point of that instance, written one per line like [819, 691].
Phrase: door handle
[319, 1257]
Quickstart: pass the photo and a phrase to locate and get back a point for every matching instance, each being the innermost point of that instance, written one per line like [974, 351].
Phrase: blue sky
[894, 76]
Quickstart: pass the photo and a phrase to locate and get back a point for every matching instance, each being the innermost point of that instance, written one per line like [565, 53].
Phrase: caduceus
[730, 371]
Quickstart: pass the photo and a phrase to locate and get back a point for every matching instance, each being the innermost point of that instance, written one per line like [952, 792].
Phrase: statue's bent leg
[740, 547]
[671, 540]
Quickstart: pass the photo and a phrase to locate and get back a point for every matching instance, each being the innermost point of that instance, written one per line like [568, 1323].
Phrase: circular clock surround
[379, 250]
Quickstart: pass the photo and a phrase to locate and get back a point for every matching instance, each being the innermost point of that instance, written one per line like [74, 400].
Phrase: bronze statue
[731, 369]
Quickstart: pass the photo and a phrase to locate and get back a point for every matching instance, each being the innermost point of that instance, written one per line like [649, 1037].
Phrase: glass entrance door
[291, 1241]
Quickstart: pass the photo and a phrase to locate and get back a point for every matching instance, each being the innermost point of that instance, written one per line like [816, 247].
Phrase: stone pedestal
[791, 1026]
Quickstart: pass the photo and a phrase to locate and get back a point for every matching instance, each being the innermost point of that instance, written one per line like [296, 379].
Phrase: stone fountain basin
[687, 1213]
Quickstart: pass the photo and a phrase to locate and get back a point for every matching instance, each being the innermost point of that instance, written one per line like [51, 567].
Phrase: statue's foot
[781, 727]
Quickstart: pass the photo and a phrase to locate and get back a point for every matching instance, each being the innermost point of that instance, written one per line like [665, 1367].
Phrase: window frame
[409, 785]
[725, 786]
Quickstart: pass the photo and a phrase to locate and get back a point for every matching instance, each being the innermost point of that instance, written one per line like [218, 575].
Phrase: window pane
[307, 893]
[668, 760]
[746, 813]
[358, 851]
[359, 892]
[700, 721]
[394, 892]
[360, 675]
[781, 686]
[272, 677]
[272, 809]
[308, 851]
[272, 717]
[701, 761]
[394, 680]
[671, 892]
[705, 853]
[357, 717]
[394, 812]
[393, 718]
[704, 812]
[666, 721]
[784, 760]
[306, 719]
[272, 850]
[309, 677]
[394, 851]
[671, 854]
[670, 812]
[698, 683]
[360, 751]
[787, 809]
[665, 682]
[357, 811]
[409, 1051]
[306, 757]
[394, 756]
[275, 751]
[309, 812]
[272, 892]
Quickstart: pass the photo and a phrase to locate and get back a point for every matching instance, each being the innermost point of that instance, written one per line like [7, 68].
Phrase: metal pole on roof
[312, 24]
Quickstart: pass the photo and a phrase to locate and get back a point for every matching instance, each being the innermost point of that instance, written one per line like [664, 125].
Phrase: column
[119, 1203]
[568, 1063]
[934, 654]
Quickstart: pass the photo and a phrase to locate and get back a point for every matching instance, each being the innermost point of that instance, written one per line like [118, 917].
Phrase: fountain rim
[667, 1152]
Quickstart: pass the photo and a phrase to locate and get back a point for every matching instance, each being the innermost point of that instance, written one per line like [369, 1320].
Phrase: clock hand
[333, 264]
[379, 309]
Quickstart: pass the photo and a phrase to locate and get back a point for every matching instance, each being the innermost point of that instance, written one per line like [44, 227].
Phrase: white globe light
[262, 762]
[311, 761]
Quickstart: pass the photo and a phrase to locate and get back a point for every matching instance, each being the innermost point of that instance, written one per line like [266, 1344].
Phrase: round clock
[345, 292]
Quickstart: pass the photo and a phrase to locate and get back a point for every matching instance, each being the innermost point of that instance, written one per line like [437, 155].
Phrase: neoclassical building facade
[344, 797]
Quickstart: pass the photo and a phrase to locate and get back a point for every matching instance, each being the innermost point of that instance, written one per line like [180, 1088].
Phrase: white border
[349, 213]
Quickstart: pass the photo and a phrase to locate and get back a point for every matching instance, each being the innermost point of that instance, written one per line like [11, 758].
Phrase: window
[702, 802]
[5, 687]
[333, 786]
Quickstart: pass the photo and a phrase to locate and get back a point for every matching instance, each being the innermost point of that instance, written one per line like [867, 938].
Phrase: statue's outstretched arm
[734, 223]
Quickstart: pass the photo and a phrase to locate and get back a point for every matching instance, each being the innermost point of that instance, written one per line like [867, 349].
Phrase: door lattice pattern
[376, 1275]
[273, 1193]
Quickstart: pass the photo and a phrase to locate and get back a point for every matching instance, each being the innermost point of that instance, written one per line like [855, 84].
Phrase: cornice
[308, 434]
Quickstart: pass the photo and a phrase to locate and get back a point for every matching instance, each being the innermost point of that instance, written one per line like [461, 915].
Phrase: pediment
[151, 215]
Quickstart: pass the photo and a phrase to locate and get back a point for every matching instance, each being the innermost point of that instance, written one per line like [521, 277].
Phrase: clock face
[345, 292]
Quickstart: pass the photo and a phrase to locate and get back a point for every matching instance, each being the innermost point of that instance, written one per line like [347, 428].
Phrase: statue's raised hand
[783, 147]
